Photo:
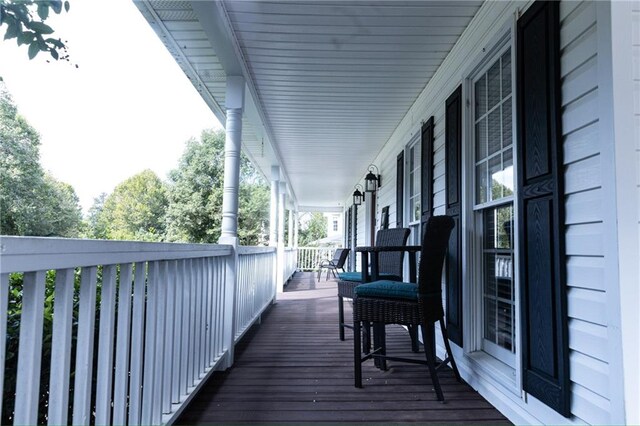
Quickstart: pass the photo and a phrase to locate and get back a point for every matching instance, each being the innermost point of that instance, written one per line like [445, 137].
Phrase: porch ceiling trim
[329, 83]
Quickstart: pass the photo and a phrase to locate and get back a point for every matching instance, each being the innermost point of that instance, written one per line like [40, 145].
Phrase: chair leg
[445, 338]
[341, 316]
[427, 334]
[357, 360]
[366, 339]
[413, 334]
[380, 345]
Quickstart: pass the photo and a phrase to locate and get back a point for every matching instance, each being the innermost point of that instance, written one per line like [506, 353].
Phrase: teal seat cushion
[388, 289]
[357, 276]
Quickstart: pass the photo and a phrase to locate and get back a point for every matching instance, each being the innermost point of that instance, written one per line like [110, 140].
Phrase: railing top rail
[244, 250]
[25, 254]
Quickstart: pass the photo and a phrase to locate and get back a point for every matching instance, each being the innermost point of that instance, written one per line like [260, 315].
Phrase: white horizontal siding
[586, 272]
[636, 99]
[583, 207]
[583, 175]
[587, 404]
[589, 373]
[588, 305]
[582, 145]
[585, 335]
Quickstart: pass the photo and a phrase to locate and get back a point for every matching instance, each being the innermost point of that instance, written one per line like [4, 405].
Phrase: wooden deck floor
[293, 369]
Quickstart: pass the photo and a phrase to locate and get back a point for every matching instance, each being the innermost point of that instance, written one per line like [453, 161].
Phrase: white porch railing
[256, 289]
[309, 257]
[166, 317]
[290, 263]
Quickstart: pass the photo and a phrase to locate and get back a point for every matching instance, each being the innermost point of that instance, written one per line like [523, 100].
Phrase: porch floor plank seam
[292, 368]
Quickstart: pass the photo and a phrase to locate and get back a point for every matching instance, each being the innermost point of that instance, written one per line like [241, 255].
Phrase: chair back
[434, 250]
[340, 257]
[391, 262]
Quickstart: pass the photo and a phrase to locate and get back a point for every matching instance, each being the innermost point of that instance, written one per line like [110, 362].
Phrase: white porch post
[280, 268]
[290, 230]
[273, 207]
[233, 141]
[296, 217]
[229, 234]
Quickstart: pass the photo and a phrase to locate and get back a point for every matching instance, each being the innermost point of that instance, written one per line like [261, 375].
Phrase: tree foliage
[314, 229]
[19, 16]
[135, 210]
[31, 201]
[195, 195]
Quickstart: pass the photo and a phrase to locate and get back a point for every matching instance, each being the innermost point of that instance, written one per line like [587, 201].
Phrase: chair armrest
[377, 249]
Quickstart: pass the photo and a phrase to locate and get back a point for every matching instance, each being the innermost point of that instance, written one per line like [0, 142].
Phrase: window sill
[492, 369]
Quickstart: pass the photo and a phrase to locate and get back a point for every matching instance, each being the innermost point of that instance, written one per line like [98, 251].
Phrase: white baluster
[185, 289]
[122, 346]
[105, 345]
[177, 331]
[84, 345]
[61, 348]
[149, 384]
[30, 349]
[4, 300]
[137, 342]
[169, 366]
[161, 307]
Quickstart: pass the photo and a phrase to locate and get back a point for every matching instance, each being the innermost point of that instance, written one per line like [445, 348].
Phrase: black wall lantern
[372, 180]
[358, 196]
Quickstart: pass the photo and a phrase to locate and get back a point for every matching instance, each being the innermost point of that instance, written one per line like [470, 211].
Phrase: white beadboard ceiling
[328, 81]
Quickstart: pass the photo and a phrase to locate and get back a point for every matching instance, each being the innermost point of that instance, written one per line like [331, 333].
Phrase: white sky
[128, 106]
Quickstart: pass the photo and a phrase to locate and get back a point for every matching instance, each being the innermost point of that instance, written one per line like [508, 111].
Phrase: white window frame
[510, 378]
[414, 237]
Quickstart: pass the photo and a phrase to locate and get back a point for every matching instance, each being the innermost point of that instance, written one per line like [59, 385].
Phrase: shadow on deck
[293, 369]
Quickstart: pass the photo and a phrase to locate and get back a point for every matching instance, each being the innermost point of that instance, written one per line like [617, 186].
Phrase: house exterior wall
[631, 362]
[592, 251]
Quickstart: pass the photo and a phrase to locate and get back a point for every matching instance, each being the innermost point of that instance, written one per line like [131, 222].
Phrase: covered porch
[291, 368]
[432, 98]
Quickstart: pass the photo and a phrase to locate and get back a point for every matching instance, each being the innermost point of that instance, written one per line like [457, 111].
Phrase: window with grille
[494, 185]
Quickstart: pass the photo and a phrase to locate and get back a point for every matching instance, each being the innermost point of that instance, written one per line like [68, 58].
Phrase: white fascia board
[323, 209]
[216, 24]
[156, 23]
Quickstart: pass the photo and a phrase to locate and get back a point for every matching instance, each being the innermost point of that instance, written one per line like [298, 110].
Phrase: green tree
[19, 16]
[195, 195]
[136, 210]
[31, 202]
[96, 221]
[253, 205]
[312, 230]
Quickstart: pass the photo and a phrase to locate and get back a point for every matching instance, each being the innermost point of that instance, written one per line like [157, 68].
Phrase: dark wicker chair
[338, 261]
[389, 267]
[390, 302]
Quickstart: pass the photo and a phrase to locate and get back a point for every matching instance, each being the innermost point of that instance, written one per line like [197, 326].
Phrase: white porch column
[296, 218]
[233, 141]
[273, 206]
[290, 230]
[229, 235]
[282, 193]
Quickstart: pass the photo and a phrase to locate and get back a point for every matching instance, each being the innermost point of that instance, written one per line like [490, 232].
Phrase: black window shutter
[400, 189]
[541, 208]
[426, 170]
[453, 146]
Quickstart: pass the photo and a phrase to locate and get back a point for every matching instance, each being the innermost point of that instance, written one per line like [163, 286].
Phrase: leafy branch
[20, 17]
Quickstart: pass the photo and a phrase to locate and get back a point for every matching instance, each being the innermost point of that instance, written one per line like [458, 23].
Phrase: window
[494, 214]
[414, 210]
[335, 224]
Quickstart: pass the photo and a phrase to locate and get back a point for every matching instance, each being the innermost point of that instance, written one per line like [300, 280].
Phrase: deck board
[292, 368]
